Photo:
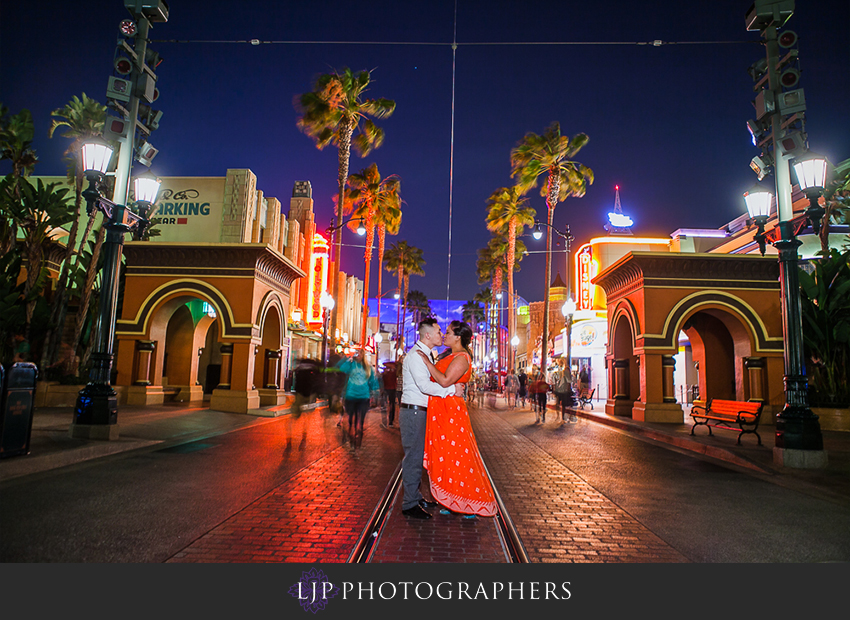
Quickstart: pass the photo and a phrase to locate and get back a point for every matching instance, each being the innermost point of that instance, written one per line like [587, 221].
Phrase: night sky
[666, 123]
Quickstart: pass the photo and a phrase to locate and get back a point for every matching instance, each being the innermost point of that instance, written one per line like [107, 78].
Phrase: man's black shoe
[416, 513]
[424, 503]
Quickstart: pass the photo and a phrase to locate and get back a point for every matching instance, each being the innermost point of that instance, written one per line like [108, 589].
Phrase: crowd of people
[426, 396]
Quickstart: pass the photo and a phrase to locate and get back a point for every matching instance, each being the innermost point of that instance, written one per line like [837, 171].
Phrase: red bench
[722, 413]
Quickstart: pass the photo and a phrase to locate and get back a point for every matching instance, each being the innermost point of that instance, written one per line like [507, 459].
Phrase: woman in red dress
[456, 471]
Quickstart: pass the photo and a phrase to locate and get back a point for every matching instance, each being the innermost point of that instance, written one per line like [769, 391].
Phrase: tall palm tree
[387, 221]
[493, 265]
[406, 260]
[508, 213]
[370, 195]
[331, 114]
[419, 305]
[472, 313]
[82, 119]
[550, 154]
[485, 296]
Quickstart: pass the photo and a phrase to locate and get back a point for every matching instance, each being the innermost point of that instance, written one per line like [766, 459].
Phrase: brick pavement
[560, 517]
[315, 516]
[318, 514]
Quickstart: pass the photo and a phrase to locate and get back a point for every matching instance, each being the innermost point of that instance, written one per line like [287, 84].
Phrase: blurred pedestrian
[563, 389]
[541, 392]
[522, 391]
[304, 384]
[390, 380]
[362, 383]
[511, 389]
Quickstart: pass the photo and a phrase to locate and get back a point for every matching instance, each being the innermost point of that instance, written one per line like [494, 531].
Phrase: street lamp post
[568, 238]
[96, 409]
[514, 344]
[327, 303]
[568, 309]
[378, 340]
[799, 442]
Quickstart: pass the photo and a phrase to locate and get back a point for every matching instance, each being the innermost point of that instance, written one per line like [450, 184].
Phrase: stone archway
[735, 331]
[623, 367]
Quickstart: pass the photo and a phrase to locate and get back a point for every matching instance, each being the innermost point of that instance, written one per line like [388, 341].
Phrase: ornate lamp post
[568, 310]
[96, 409]
[514, 344]
[327, 303]
[780, 119]
[537, 233]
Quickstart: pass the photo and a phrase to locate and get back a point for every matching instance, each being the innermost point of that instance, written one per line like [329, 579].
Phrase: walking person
[583, 380]
[456, 471]
[511, 389]
[563, 389]
[541, 392]
[390, 380]
[522, 391]
[416, 387]
[362, 382]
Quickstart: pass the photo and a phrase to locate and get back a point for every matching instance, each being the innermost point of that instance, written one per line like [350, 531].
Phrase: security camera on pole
[779, 127]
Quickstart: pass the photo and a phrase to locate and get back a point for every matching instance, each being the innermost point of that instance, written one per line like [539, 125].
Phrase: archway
[624, 375]
[720, 344]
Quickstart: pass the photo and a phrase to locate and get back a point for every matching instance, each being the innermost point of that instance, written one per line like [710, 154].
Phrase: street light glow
[96, 156]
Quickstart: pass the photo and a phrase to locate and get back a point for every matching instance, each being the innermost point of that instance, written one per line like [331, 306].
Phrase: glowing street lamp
[758, 200]
[96, 409]
[811, 177]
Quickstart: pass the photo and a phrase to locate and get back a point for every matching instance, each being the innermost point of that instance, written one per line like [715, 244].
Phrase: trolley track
[366, 546]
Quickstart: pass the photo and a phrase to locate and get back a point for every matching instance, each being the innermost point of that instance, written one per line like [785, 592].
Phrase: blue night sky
[667, 123]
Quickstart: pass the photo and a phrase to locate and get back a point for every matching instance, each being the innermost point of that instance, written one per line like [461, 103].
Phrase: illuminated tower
[618, 223]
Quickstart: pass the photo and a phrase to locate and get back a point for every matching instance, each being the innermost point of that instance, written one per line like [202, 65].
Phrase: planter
[833, 419]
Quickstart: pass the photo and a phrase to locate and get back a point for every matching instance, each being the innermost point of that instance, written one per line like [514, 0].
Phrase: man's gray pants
[412, 427]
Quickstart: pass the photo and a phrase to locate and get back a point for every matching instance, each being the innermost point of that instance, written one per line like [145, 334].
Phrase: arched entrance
[624, 372]
[734, 333]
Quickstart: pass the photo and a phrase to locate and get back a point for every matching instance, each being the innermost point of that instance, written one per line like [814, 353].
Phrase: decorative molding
[644, 269]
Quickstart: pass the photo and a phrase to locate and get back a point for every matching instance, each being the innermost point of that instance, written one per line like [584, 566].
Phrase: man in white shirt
[416, 387]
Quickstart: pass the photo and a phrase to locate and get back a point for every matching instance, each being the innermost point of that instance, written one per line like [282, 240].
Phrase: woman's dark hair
[464, 332]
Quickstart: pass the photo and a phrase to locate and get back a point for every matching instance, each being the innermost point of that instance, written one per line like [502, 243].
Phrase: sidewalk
[51, 447]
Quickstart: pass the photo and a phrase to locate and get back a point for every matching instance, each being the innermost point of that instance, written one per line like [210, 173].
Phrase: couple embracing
[435, 427]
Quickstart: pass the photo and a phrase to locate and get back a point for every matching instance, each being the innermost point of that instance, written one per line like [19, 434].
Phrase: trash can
[16, 405]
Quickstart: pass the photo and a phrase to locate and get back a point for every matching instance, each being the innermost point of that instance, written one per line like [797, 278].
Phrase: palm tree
[330, 114]
[369, 196]
[508, 214]
[485, 296]
[387, 221]
[550, 154]
[472, 313]
[405, 260]
[82, 119]
[419, 306]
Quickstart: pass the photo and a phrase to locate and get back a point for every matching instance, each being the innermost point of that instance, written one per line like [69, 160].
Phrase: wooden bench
[725, 412]
[586, 398]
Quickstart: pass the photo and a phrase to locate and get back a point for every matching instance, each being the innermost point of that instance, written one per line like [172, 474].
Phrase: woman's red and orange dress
[458, 478]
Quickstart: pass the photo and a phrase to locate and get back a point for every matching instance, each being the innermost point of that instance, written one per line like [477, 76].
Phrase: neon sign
[586, 268]
[318, 278]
